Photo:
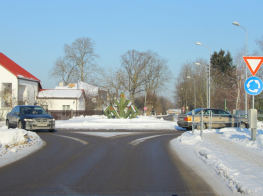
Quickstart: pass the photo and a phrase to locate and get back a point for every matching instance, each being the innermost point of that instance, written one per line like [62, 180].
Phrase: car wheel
[7, 124]
[243, 125]
[19, 125]
[199, 126]
[51, 130]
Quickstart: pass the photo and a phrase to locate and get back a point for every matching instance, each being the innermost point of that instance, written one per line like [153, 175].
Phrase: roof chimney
[60, 84]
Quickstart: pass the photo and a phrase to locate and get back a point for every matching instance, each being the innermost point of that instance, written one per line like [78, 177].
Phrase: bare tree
[79, 62]
[133, 63]
[112, 81]
[240, 76]
[82, 53]
[144, 70]
[64, 70]
[184, 88]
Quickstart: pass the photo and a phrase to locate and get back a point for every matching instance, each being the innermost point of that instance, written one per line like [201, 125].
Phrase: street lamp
[194, 88]
[237, 24]
[200, 44]
[185, 99]
[206, 84]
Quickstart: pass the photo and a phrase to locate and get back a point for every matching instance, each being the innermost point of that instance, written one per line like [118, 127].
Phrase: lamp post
[237, 24]
[198, 43]
[194, 88]
[206, 84]
[185, 98]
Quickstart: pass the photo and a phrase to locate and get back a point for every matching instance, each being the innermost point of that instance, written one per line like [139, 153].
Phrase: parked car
[220, 119]
[30, 117]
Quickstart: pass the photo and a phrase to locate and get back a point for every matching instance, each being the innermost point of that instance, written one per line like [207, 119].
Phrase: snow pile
[229, 153]
[17, 143]
[103, 122]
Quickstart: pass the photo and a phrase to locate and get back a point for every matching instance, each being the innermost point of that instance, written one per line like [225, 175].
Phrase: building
[64, 102]
[61, 99]
[96, 98]
[17, 85]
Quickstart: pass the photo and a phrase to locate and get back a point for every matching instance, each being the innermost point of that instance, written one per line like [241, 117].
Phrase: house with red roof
[17, 85]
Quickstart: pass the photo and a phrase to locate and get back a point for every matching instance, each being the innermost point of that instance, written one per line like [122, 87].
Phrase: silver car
[220, 119]
[30, 117]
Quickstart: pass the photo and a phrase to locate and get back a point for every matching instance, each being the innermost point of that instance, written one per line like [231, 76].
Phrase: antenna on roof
[78, 85]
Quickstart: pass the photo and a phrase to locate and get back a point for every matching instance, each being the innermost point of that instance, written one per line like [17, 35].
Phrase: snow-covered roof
[15, 69]
[60, 93]
[88, 88]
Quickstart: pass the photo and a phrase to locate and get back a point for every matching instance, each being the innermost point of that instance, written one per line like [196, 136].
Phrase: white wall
[28, 90]
[57, 104]
[7, 77]
[22, 90]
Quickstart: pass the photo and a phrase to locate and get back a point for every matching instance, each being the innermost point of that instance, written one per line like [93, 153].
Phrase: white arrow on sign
[256, 90]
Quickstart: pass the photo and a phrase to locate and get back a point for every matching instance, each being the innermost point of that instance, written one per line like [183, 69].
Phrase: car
[30, 117]
[220, 119]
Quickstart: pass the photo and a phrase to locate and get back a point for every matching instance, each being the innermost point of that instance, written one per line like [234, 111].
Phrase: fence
[67, 114]
[230, 121]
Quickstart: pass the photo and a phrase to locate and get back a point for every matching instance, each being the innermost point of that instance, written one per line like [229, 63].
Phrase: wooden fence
[67, 114]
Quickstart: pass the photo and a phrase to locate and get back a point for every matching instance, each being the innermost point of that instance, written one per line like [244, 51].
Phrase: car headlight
[27, 120]
[52, 119]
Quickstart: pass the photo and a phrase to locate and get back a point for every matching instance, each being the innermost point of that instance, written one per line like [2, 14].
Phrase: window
[14, 109]
[45, 107]
[65, 107]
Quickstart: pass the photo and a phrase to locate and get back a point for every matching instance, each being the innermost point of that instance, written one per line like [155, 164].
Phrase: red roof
[15, 69]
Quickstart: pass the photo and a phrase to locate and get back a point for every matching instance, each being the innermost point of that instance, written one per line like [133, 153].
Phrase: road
[72, 163]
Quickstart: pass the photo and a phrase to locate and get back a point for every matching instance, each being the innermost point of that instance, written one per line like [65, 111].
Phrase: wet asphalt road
[72, 163]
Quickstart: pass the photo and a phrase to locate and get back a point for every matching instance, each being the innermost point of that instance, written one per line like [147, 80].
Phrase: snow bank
[103, 122]
[230, 154]
[17, 143]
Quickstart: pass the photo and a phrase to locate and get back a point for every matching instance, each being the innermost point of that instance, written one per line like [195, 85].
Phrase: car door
[214, 120]
[226, 119]
[10, 117]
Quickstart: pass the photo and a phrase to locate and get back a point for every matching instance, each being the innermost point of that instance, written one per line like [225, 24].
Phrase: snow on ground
[103, 122]
[227, 153]
[225, 158]
[16, 144]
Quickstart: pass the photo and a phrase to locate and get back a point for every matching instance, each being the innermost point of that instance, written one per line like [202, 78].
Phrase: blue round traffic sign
[253, 85]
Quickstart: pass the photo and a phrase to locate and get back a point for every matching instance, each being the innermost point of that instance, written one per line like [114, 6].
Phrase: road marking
[109, 134]
[82, 141]
[138, 141]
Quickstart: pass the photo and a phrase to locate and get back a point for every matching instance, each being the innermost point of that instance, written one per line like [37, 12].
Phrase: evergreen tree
[223, 78]
[222, 62]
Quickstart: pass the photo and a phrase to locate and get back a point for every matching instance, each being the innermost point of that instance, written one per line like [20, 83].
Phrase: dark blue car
[30, 117]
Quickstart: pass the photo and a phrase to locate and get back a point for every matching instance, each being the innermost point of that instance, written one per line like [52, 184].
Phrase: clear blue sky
[33, 32]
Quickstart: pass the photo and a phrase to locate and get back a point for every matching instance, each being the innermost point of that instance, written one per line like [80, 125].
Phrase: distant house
[94, 95]
[173, 111]
[17, 85]
[62, 99]
[63, 102]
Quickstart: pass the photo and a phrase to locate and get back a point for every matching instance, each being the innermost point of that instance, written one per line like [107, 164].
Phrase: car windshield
[197, 111]
[32, 110]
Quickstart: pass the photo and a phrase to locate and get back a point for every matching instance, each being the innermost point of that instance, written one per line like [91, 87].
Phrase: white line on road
[138, 141]
[82, 141]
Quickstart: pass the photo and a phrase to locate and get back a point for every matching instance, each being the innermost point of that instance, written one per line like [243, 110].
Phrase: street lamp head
[198, 43]
[236, 24]
[188, 77]
[197, 63]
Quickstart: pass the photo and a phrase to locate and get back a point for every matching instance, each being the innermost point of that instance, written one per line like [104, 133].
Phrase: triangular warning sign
[253, 63]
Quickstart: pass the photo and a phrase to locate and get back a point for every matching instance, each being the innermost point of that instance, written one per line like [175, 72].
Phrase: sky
[225, 158]
[33, 33]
